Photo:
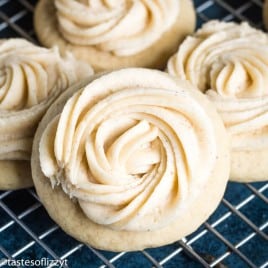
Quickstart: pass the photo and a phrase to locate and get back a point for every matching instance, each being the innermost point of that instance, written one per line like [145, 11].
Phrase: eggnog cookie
[229, 63]
[136, 158]
[31, 77]
[114, 34]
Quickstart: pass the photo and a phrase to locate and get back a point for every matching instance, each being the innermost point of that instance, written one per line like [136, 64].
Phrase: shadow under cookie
[15, 175]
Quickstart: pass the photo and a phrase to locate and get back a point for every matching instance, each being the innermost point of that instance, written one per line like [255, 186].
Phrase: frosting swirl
[123, 27]
[128, 148]
[229, 62]
[30, 79]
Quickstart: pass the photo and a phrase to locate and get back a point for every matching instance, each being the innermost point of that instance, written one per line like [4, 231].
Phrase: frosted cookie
[115, 34]
[31, 77]
[229, 63]
[136, 158]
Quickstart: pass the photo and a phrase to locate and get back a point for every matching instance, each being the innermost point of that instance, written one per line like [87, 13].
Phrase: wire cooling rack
[234, 236]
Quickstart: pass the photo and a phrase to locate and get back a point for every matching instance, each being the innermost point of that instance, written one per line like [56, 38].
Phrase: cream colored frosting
[229, 62]
[128, 148]
[123, 27]
[30, 78]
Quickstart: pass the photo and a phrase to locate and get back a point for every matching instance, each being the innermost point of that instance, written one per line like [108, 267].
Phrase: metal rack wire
[234, 236]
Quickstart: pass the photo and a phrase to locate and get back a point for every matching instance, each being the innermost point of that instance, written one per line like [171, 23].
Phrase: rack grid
[234, 236]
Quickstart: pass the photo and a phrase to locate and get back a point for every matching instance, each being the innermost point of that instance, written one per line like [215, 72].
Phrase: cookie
[31, 77]
[228, 62]
[130, 159]
[115, 34]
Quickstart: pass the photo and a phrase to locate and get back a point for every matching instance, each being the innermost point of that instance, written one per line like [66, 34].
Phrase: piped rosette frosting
[30, 79]
[229, 63]
[122, 27]
[128, 146]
